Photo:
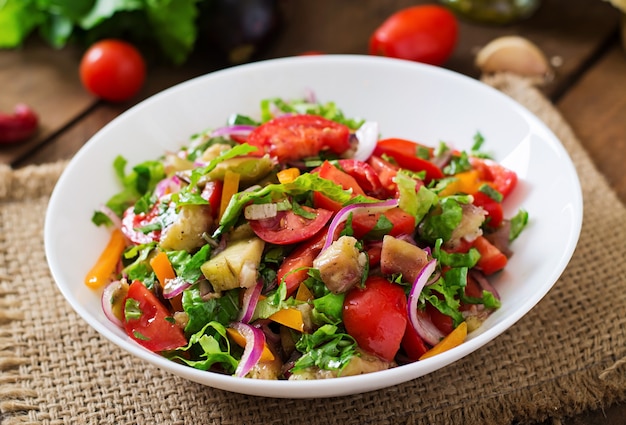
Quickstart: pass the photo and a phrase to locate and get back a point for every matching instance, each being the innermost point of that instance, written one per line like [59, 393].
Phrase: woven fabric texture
[568, 354]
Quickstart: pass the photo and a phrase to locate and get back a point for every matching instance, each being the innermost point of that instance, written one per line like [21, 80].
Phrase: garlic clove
[513, 54]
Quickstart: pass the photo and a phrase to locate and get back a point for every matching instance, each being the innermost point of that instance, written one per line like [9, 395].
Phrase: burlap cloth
[566, 356]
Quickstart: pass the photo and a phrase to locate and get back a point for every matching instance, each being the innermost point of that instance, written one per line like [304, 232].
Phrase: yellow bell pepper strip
[304, 293]
[288, 175]
[101, 272]
[290, 317]
[467, 182]
[230, 187]
[454, 338]
[266, 356]
[163, 269]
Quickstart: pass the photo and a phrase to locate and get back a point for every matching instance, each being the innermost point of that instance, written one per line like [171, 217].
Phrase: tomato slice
[405, 153]
[376, 316]
[294, 268]
[402, 222]
[293, 137]
[334, 174]
[132, 221]
[502, 179]
[152, 329]
[287, 227]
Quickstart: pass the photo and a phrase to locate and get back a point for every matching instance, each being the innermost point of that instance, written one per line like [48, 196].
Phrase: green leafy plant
[168, 24]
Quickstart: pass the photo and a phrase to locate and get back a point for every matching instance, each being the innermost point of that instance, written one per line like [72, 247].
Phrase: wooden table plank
[595, 107]
[46, 80]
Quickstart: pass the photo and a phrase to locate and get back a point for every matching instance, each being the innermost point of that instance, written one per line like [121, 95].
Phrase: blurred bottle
[493, 11]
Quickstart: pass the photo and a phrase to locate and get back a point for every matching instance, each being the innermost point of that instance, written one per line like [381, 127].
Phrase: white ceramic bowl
[409, 100]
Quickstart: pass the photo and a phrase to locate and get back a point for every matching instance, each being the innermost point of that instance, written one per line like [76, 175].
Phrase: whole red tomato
[113, 70]
[426, 33]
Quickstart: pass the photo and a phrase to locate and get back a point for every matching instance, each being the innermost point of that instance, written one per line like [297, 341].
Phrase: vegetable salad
[300, 245]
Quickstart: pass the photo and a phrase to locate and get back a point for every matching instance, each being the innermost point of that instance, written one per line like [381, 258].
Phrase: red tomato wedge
[413, 344]
[365, 176]
[293, 137]
[405, 152]
[152, 329]
[495, 214]
[402, 222]
[376, 316]
[329, 172]
[287, 227]
[491, 258]
[501, 178]
[386, 171]
[294, 269]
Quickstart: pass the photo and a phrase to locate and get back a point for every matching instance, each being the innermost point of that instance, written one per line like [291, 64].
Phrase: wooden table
[580, 36]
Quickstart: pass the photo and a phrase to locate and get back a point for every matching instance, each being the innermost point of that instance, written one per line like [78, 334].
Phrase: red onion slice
[233, 130]
[250, 300]
[117, 222]
[174, 287]
[167, 185]
[367, 135]
[422, 325]
[255, 342]
[343, 214]
[107, 306]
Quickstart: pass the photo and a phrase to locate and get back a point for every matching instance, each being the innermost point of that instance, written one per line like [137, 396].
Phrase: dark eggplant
[238, 28]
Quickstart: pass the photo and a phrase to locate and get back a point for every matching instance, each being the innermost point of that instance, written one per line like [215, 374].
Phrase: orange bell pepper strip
[230, 187]
[290, 317]
[453, 339]
[162, 267]
[101, 272]
[266, 355]
[304, 293]
[164, 271]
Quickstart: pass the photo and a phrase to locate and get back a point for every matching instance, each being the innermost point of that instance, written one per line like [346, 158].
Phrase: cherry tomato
[294, 268]
[345, 180]
[376, 316]
[151, 328]
[501, 178]
[287, 227]
[113, 70]
[402, 222]
[404, 152]
[426, 33]
[131, 223]
[293, 137]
